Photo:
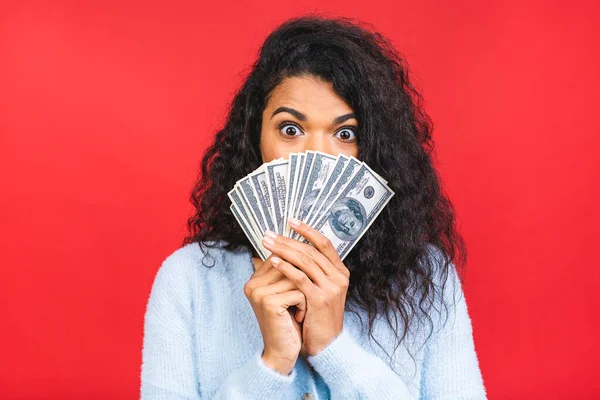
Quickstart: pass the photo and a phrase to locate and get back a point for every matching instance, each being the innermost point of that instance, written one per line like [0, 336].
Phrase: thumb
[300, 310]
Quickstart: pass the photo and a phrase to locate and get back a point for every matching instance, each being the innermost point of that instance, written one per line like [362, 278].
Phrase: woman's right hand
[271, 294]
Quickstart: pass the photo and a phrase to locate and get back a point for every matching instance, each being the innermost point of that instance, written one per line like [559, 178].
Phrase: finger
[281, 286]
[300, 310]
[297, 276]
[321, 242]
[264, 268]
[268, 278]
[280, 302]
[297, 258]
[322, 261]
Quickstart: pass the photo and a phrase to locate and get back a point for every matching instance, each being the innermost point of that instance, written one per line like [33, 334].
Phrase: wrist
[278, 364]
[319, 347]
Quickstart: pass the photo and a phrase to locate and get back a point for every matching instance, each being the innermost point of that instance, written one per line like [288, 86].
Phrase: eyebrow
[302, 117]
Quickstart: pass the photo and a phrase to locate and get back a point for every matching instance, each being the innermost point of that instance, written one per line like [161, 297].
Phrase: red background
[106, 108]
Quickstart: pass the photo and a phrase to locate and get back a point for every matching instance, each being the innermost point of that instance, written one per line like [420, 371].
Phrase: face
[304, 113]
[348, 222]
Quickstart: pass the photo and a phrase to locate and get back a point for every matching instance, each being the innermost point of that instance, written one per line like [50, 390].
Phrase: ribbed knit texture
[202, 341]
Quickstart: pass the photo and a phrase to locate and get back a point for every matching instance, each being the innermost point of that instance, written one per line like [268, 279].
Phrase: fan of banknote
[338, 196]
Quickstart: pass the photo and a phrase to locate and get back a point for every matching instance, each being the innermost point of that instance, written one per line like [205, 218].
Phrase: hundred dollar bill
[246, 216]
[245, 187]
[320, 170]
[258, 179]
[310, 157]
[300, 169]
[336, 171]
[241, 204]
[262, 252]
[329, 194]
[354, 210]
[276, 175]
[291, 181]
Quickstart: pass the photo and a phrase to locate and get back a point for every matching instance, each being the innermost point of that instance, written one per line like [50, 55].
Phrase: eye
[290, 129]
[346, 134]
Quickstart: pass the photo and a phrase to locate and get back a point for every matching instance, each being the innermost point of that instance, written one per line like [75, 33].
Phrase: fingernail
[275, 261]
[268, 241]
[294, 222]
[271, 234]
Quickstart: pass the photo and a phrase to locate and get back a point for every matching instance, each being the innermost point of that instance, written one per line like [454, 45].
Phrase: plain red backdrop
[107, 107]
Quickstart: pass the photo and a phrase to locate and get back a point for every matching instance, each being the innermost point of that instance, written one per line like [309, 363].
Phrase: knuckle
[334, 292]
[302, 279]
[345, 271]
[305, 259]
[257, 296]
[312, 252]
[345, 282]
[248, 288]
[325, 242]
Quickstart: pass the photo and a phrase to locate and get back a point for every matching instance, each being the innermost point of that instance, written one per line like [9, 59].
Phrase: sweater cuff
[256, 381]
[347, 368]
[264, 382]
[337, 362]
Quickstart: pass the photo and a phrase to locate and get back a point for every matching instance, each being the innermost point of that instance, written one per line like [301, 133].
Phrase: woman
[383, 324]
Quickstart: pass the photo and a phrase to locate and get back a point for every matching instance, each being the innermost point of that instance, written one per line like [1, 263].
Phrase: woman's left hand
[320, 275]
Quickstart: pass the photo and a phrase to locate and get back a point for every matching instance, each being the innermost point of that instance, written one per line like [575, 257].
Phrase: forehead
[309, 95]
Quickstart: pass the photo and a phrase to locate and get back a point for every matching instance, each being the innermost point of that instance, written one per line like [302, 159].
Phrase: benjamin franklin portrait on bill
[347, 218]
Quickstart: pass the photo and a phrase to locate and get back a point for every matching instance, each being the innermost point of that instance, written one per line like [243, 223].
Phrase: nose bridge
[318, 141]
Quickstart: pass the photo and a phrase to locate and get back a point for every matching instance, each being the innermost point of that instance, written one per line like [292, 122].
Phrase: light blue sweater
[202, 341]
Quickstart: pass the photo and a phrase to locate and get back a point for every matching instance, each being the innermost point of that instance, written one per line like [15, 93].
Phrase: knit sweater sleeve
[168, 356]
[168, 370]
[351, 372]
[451, 370]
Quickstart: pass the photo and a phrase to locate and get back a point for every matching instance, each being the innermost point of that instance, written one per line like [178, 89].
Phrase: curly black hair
[392, 268]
